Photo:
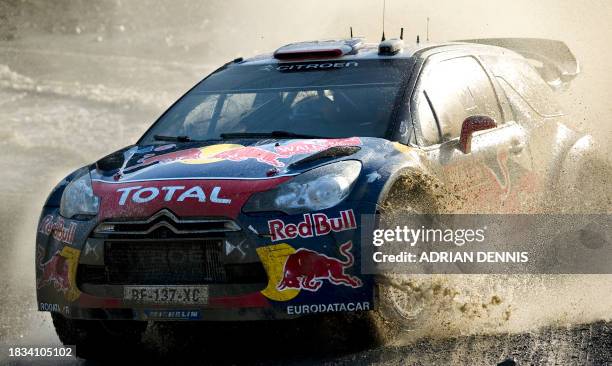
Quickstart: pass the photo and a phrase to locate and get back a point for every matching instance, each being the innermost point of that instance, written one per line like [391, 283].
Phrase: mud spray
[78, 81]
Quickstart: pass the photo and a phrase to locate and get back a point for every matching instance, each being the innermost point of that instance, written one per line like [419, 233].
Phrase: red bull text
[313, 225]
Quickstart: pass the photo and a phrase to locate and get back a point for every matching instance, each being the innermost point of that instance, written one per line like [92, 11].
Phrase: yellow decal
[207, 154]
[273, 258]
[410, 152]
[72, 258]
[402, 148]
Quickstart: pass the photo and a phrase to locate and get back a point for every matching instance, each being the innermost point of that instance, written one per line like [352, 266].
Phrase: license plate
[166, 294]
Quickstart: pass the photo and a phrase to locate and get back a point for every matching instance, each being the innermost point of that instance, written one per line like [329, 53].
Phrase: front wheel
[401, 307]
[95, 338]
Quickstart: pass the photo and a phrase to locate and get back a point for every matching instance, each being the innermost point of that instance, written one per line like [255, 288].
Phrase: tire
[98, 339]
[401, 306]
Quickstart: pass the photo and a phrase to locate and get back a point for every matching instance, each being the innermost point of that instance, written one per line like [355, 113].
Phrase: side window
[519, 77]
[459, 88]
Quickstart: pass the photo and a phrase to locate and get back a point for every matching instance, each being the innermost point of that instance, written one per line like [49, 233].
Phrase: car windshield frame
[386, 77]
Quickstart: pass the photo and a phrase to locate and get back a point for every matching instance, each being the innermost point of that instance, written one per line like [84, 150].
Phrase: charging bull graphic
[237, 153]
[249, 152]
[55, 272]
[285, 151]
[60, 272]
[306, 269]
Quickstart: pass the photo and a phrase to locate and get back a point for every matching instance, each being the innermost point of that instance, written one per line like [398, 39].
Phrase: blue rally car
[243, 201]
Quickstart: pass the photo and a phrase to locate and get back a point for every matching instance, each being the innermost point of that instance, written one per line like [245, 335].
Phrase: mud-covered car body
[229, 227]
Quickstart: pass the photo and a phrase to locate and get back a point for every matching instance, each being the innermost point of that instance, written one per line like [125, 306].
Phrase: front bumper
[266, 267]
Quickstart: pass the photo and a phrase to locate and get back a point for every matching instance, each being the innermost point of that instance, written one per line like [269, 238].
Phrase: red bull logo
[60, 272]
[202, 155]
[313, 146]
[55, 272]
[306, 269]
[50, 225]
[285, 151]
[237, 153]
[169, 157]
[312, 225]
[248, 152]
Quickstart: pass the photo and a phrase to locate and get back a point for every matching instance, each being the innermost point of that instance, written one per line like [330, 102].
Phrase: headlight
[78, 198]
[316, 189]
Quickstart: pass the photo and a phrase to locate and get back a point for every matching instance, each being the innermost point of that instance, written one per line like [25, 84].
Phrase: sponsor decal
[327, 308]
[290, 271]
[164, 147]
[312, 146]
[313, 225]
[202, 155]
[43, 306]
[498, 169]
[60, 272]
[184, 197]
[140, 194]
[317, 66]
[173, 314]
[496, 181]
[306, 269]
[55, 272]
[52, 225]
[188, 254]
[273, 258]
[237, 153]
[249, 152]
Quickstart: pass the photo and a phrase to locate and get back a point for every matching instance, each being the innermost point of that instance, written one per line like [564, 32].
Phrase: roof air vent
[317, 49]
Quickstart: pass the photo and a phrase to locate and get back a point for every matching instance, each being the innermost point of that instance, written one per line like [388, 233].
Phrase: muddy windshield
[327, 99]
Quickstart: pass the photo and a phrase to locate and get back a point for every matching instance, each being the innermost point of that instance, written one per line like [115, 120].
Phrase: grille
[167, 250]
[164, 263]
[168, 263]
[165, 224]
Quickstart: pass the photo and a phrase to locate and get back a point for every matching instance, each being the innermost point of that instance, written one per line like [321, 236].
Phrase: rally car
[243, 200]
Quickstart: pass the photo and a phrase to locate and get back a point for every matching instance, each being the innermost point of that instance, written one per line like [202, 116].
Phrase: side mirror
[471, 125]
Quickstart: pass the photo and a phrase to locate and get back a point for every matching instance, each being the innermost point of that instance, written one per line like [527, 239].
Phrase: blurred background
[81, 78]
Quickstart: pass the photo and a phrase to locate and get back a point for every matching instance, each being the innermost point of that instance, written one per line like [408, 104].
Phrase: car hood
[227, 160]
[217, 177]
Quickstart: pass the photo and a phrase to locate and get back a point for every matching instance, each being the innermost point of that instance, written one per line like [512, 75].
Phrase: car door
[450, 89]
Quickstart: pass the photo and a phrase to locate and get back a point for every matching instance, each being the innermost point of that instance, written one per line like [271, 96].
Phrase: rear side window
[518, 77]
[458, 88]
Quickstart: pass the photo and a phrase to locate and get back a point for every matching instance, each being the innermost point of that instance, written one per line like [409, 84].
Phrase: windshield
[327, 99]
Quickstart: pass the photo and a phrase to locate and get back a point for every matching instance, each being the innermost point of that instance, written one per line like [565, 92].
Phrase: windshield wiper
[280, 134]
[172, 138]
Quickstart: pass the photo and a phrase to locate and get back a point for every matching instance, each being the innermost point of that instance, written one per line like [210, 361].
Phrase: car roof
[370, 51]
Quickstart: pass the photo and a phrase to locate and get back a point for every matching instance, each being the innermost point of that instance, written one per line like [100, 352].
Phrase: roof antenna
[427, 29]
[351, 32]
[383, 21]
[402, 33]
[418, 39]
